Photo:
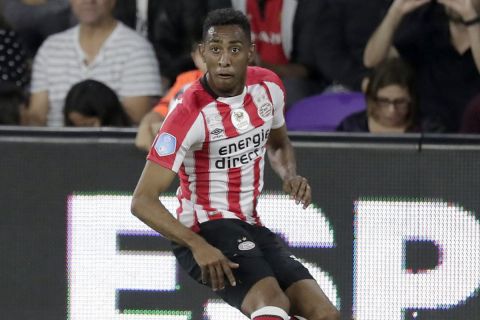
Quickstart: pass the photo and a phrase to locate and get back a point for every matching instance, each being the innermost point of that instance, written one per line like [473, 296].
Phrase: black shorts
[259, 252]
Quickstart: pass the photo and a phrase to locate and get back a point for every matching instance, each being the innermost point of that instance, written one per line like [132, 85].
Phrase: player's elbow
[136, 205]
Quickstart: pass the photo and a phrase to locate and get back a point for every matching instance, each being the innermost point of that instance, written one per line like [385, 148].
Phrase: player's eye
[235, 50]
[215, 49]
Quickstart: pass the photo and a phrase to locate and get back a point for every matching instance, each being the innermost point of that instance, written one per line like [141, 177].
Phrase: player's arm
[282, 160]
[146, 206]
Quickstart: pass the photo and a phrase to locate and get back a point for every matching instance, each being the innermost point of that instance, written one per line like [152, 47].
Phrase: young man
[216, 140]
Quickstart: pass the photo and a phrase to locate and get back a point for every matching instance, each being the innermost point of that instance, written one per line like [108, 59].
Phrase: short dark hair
[226, 17]
[92, 98]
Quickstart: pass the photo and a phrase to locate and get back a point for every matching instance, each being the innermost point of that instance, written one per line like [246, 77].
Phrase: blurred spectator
[99, 48]
[173, 27]
[151, 123]
[12, 104]
[13, 59]
[471, 117]
[343, 28]
[391, 103]
[135, 13]
[35, 20]
[441, 41]
[283, 31]
[91, 103]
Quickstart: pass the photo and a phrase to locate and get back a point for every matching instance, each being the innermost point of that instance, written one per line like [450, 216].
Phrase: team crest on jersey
[245, 245]
[240, 119]
[265, 111]
[165, 144]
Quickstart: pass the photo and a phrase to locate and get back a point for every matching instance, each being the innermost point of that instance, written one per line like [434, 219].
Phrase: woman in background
[91, 103]
[392, 103]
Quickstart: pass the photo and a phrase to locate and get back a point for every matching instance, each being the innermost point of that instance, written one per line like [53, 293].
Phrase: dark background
[40, 168]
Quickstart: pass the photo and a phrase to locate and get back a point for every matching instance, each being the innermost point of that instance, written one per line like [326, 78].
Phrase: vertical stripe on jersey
[202, 172]
[234, 175]
[251, 108]
[224, 110]
[184, 183]
[234, 185]
[256, 191]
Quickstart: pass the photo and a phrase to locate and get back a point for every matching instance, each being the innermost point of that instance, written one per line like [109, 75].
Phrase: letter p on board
[383, 288]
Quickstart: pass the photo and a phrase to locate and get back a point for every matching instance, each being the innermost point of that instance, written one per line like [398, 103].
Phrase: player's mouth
[224, 76]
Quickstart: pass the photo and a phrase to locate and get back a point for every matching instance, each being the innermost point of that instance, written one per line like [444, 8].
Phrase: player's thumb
[233, 265]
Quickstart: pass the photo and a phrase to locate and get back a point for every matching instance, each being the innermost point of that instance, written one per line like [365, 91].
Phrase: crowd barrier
[393, 232]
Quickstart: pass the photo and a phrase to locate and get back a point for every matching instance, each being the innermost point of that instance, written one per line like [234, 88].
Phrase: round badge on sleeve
[265, 111]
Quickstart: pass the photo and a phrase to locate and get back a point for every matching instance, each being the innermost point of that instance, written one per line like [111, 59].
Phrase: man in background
[99, 48]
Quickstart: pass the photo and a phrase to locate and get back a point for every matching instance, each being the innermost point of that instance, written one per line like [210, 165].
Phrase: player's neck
[215, 92]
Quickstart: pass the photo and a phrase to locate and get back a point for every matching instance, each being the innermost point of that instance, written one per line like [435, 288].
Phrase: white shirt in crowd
[126, 63]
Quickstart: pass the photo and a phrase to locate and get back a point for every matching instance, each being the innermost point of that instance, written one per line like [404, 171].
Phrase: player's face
[227, 52]
[92, 12]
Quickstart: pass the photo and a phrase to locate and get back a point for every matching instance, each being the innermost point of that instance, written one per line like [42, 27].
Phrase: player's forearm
[156, 216]
[282, 160]
[380, 43]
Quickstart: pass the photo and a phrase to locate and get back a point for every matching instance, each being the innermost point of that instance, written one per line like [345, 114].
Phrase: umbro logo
[217, 131]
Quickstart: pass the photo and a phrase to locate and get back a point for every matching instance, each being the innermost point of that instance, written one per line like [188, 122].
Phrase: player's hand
[214, 266]
[406, 6]
[299, 190]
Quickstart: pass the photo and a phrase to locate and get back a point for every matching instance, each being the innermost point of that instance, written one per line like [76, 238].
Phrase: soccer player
[216, 140]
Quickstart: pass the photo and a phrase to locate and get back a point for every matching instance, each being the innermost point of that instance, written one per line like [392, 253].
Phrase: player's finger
[228, 272]
[301, 188]
[294, 188]
[286, 187]
[204, 275]
[213, 277]
[220, 276]
[307, 198]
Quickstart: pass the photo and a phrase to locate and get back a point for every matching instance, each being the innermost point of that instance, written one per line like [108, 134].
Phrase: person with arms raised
[441, 40]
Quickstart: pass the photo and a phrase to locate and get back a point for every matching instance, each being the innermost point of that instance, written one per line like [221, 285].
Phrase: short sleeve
[182, 132]
[277, 94]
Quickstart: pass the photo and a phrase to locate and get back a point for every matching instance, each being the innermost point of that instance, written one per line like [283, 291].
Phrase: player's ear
[201, 49]
[251, 53]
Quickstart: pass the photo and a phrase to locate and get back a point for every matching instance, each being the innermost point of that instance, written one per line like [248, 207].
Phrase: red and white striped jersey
[217, 147]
